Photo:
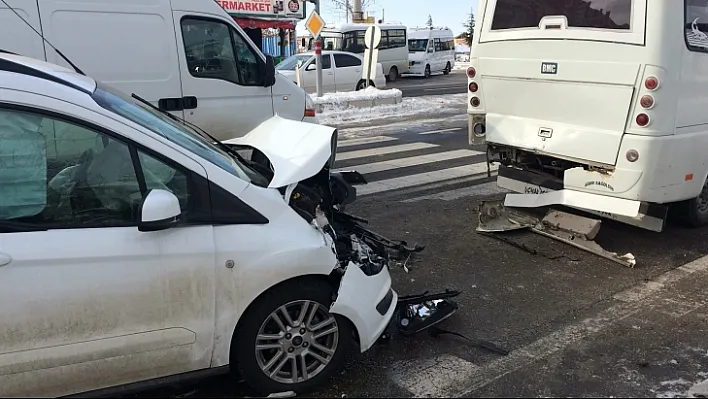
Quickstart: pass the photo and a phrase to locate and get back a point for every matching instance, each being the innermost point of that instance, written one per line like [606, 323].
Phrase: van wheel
[447, 70]
[361, 85]
[427, 71]
[289, 341]
[392, 74]
[694, 212]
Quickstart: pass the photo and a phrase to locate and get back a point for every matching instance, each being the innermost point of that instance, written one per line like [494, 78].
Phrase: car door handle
[5, 259]
[177, 103]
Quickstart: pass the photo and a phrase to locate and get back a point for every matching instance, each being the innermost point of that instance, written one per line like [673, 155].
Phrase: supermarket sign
[264, 8]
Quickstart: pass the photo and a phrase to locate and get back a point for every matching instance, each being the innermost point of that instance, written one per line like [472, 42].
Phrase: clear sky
[451, 13]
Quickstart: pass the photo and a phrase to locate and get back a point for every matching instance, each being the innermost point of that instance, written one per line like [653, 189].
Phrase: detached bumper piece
[415, 313]
[568, 228]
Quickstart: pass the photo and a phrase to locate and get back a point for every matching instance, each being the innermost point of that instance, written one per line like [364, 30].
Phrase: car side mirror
[430, 50]
[160, 210]
[269, 71]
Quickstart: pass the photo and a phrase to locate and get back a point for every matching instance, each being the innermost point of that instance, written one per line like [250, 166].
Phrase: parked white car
[133, 248]
[341, 71]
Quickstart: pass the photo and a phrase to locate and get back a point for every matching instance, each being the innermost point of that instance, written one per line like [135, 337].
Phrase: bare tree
[430, 20]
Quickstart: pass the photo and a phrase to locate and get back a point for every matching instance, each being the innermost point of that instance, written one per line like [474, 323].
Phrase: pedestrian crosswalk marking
[442, 166]
[401, 182]
[413, 161]
[343, 156]
[456, 129]
[364, 140]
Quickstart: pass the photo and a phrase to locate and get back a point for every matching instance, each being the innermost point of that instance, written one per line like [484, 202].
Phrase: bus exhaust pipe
[565, 227]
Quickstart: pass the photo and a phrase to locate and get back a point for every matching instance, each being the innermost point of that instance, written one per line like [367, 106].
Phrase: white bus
[393, 49]
[430, 50]
[600, 105]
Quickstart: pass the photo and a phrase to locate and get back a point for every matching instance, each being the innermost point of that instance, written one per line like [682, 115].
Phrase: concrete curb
[363, 103]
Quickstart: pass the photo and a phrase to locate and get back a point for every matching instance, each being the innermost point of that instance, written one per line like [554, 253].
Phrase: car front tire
[289, 341]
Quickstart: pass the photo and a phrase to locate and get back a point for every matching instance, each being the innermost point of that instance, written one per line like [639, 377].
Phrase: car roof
[311, 52]
[15, 63]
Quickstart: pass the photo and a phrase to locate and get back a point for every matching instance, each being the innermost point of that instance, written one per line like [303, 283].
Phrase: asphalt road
[575, 324]
[454, 83]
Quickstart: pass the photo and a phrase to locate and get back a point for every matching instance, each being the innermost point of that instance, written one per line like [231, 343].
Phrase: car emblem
[545, 132]
[549, 68]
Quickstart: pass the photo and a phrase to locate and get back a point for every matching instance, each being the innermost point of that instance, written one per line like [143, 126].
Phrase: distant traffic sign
[372, 37]
[314, 24]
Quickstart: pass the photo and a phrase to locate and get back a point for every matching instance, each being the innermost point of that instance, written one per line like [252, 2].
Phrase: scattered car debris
[569, 228]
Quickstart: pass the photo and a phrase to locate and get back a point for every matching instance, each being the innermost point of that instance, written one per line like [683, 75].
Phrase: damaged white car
[134, 248]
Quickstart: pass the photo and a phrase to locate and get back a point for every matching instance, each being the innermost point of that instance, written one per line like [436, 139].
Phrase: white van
[187, 56]
[603, 100]
[430, 50]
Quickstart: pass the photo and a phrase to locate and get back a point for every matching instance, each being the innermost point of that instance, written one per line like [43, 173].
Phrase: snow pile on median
[410, 109]
[461, 66]
[343, 98]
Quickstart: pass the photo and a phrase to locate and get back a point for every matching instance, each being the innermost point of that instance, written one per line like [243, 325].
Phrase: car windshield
[290, 63]
[182, 135]
[415, 45]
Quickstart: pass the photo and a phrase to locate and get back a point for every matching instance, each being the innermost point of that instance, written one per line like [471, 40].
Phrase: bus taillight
[473, 87]
[471, 72]
[474, 101]
[647, 101]
[651, 83]
[642, 120]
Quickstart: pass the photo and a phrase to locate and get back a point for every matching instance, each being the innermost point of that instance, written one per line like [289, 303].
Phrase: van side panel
[15, 35]
[128, 44]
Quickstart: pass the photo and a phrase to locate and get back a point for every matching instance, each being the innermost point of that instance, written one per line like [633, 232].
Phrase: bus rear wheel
[448, 69]
[694, 212]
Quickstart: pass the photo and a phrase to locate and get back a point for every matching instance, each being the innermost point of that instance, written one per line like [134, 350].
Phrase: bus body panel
[572, 94]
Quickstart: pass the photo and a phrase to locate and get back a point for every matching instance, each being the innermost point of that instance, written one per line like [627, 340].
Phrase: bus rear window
[596, 14]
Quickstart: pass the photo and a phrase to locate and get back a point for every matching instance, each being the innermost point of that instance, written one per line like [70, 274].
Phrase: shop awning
[262, 23]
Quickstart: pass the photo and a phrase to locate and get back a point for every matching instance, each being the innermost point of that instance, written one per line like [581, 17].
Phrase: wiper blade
[193, 126]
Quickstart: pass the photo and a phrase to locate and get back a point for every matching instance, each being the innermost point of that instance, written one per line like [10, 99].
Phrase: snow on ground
[412, 108]
[340, 99]
[461, 66]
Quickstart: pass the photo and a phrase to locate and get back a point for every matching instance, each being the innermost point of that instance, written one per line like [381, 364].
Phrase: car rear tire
[448, 69]
[291, 327]
[694, 212]
[362, 86]
[392, 74]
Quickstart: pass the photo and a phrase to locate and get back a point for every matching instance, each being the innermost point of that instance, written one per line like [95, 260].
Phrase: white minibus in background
[430, 50]
[602, 100]
[393, 50]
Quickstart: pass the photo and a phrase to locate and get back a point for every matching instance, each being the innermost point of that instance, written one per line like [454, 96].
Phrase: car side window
[159, 175]
[344, 60]
[214, 50]
[56, 174]
[326, 62]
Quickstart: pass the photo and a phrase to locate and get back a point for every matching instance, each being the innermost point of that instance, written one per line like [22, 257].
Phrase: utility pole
[318, 54]
[357, 14]
[346, 9]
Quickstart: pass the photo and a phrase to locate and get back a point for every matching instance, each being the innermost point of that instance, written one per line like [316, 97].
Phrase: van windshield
[596, 14]
[416, 45]
[184, 136]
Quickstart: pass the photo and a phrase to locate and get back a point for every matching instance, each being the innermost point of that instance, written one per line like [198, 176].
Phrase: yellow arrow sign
[314, 24]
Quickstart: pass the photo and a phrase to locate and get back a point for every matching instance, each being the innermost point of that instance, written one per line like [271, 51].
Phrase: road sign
[372, 39]
[314, 24]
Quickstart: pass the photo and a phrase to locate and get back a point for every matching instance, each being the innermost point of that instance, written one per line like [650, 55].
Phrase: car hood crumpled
[297, 150]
